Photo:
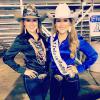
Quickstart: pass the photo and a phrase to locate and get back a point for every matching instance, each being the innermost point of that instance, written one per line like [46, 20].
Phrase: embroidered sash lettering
[61, 65]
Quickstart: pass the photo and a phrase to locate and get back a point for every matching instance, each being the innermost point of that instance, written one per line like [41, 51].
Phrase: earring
[25, 31]
[37, 30]
[69, 29]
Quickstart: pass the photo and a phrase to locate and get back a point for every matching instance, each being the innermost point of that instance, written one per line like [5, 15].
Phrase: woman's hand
[31, 73]
[72, 70]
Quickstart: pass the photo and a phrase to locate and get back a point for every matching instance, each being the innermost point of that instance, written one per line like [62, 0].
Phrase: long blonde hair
[72, 37]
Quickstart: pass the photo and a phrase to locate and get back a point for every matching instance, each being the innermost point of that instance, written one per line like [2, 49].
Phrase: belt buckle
[42, 76]
[58, 77]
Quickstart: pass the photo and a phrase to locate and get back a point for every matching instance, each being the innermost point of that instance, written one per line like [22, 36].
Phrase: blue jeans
[36, 88]
[68, 88]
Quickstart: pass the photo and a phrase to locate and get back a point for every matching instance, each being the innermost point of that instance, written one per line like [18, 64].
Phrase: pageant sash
[39, 49]
[61, 65]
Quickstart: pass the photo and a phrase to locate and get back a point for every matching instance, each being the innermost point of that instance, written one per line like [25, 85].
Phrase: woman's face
[31, 24]
[62, 25]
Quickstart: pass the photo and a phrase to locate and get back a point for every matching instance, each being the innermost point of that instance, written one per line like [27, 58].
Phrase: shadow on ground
[88, 92]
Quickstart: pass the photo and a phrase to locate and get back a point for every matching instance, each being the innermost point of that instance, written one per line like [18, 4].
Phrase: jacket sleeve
[10, 54]
[90, 53]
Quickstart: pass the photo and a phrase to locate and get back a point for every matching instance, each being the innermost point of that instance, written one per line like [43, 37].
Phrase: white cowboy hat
[63, 11]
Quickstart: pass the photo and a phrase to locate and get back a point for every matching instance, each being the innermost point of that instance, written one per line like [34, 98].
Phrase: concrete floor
[11, 84]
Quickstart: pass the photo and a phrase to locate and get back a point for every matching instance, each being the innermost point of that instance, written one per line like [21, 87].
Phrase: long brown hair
[72, 37]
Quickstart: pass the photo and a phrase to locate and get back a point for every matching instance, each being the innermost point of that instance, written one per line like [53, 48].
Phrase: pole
[82, 7]
[21, 6]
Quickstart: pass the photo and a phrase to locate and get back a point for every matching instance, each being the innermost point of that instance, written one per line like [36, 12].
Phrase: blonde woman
[33, 45]
[64, 44]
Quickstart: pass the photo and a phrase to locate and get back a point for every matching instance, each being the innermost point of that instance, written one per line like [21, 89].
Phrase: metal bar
[21, 6]
[79, 20]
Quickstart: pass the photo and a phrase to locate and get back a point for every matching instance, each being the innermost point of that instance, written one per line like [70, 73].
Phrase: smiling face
[62, 25]
[31, 24]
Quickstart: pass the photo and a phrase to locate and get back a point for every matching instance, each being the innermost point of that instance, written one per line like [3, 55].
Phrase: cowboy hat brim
[74, 16]
[20, 17]
[27, 17]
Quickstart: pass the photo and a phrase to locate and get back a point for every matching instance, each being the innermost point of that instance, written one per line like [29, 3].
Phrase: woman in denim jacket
[64, 44]
[33, 45]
